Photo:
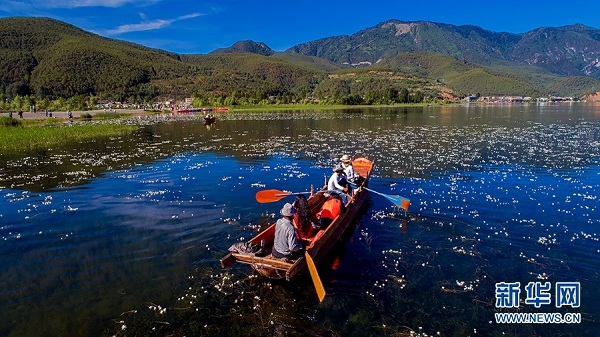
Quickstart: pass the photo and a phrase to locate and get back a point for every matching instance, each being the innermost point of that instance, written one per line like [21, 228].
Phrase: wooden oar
[273, 195]
[315, 276]
[397, 200]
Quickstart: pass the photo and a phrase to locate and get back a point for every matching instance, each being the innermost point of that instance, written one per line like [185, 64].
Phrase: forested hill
[44, 59]
[49, 57]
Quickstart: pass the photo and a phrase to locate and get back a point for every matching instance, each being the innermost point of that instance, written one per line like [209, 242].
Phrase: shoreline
[40, 115]
[77, 114]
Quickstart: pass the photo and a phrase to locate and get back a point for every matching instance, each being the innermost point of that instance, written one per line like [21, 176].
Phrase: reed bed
[16, 138]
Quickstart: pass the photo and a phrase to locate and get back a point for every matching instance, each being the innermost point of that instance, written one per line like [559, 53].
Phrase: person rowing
[338, 182]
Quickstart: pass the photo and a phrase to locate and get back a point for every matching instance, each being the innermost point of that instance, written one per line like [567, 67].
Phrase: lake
[123, 236]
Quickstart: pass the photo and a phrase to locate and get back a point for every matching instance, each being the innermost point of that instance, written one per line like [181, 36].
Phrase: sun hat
[346, 158]
[288, 210]
[337, 168]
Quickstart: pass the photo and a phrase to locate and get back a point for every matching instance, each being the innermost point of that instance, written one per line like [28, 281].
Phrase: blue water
[118, 235]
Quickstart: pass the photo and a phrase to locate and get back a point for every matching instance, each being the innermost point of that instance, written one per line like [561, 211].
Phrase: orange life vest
[331, 208]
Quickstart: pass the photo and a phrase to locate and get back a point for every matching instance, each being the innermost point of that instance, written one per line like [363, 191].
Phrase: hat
[345, 158]
[337, 168]
[288, 210]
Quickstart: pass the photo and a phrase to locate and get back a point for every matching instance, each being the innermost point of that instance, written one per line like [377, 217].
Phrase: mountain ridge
[47, 59]
[579, 44]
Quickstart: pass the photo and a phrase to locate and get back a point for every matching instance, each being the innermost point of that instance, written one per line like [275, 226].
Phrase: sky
[199, 26]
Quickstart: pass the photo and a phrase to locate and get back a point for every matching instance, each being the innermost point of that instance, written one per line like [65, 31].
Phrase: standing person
[285, 244]
[302, 221]
[21, 114]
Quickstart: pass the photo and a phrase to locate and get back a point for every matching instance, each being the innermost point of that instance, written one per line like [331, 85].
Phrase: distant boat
[188, 110]
[195, 110]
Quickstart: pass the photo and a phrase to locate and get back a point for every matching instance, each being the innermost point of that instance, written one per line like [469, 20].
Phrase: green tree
[390, 95]
[403, 96]
[418, 96]
[15, 104]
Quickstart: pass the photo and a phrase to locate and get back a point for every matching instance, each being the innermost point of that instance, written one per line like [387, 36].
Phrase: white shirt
[334, 182]
[349, 171]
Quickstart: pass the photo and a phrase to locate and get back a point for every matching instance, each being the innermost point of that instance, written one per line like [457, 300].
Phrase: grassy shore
[18, 138]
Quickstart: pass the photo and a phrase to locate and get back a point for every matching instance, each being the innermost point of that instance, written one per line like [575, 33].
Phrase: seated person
[302, 222]
[348, 168]
[285, 243]
[351, 175]
[338, 184]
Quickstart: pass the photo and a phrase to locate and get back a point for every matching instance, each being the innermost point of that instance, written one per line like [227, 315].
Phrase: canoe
[321, 243]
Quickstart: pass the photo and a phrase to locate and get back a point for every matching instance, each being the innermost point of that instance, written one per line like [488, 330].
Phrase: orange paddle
[273, 195]
[315, 276]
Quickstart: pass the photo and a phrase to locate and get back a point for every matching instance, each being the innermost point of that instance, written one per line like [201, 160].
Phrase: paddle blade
[399, 201]
[405, 204]
[315, 276]
[271, 195]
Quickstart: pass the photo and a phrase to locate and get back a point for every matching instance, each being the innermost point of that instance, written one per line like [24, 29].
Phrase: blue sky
[199, 27]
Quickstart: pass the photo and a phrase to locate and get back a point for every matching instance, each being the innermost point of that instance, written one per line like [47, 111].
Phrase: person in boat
[302, 221]
[351, 175]
[285, 243]
[348, 168]
[338, 183]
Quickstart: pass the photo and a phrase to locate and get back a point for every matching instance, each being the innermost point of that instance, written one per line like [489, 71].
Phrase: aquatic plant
[7, 121]
[31, 138]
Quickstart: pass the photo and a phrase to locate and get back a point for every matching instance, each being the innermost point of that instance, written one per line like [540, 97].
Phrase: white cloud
[87, 3]
[148, 25]
[17, 5]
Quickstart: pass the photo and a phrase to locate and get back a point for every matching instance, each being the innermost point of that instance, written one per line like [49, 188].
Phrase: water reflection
[124, 234]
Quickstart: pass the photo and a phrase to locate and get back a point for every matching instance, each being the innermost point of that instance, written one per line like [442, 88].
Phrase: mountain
[247, 46]
[565, 51]
[311, 62]
[48, 59]
[394, 37]
[44, 59]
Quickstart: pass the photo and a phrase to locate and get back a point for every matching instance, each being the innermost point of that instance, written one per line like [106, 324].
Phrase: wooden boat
[321, 243]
